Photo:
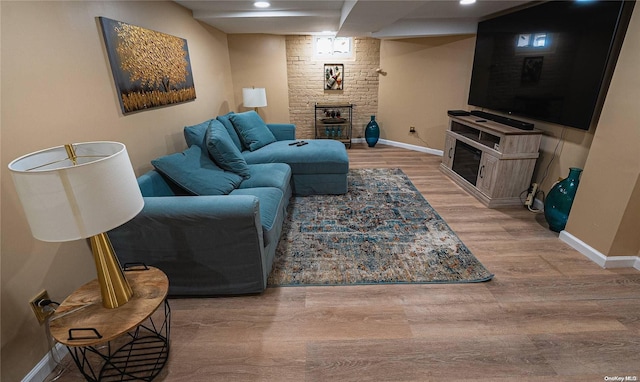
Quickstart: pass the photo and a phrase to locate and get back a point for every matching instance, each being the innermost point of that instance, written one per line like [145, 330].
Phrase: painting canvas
[150, 68]
[333, 76]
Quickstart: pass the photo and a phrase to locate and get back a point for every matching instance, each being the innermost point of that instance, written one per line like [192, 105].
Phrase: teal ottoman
[317, 168]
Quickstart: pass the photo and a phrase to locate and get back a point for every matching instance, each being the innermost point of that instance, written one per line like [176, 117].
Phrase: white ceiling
[350, 18]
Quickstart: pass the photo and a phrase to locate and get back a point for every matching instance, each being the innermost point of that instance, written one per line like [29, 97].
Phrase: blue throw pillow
[223, 151]
[194, 135]
[226, 122]
[196, 173]
[252, 130]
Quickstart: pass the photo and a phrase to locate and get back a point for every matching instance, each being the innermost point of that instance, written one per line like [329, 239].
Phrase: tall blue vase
[372, 132]
[558, 203]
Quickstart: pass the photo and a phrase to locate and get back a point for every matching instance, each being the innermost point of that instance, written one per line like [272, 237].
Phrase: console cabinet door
[486, 174]
[449, 150]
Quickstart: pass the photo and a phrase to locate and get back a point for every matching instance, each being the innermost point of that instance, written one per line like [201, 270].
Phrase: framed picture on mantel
[333, 76]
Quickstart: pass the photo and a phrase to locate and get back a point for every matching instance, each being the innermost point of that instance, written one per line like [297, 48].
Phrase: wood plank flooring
[549, 314]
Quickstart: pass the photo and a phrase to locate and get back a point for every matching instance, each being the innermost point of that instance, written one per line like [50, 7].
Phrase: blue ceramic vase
[372, 132]
[558, 203]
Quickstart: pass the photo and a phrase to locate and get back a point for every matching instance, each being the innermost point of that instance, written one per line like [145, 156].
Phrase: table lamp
[81, 191]
[254, 97]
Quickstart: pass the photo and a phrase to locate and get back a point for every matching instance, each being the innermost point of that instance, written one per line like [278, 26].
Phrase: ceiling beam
[367, 17]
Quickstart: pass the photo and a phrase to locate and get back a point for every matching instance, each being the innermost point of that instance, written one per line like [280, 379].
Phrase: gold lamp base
[114, 287]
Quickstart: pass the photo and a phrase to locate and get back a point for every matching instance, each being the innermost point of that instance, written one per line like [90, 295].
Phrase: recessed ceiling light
[261, 4]
[467, 2]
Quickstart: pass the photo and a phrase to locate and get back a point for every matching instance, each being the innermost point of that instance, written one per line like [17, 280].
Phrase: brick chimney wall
[306, 83]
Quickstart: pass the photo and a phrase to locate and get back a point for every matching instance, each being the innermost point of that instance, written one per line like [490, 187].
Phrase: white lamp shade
[64, 202]
[254, 97]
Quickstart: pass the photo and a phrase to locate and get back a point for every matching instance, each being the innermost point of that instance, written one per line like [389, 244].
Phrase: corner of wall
[597, 256]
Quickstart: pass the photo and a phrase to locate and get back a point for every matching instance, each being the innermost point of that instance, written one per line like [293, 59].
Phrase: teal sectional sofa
[214, 213]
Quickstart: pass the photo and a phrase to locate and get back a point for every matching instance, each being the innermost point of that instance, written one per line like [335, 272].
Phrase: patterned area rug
[381, 231]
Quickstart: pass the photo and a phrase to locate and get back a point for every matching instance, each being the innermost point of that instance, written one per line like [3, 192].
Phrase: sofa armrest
[207, 245]
[283, 131]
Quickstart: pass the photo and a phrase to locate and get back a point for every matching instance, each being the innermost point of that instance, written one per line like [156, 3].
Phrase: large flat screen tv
[550, 62]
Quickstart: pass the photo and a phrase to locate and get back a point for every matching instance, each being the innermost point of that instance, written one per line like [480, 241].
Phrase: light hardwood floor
[549, 314]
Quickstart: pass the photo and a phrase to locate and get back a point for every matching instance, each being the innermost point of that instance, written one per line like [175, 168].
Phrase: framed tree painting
[150, 68]
[333, 76]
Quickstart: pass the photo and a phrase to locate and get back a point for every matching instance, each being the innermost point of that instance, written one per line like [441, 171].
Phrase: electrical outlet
[412, 129]
[41, 312]
[531, 197]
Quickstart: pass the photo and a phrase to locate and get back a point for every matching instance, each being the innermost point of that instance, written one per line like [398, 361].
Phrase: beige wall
[606, 211]
[260, 60]
[626, 241]
[57, 88]
[561, 148]
[424, 78]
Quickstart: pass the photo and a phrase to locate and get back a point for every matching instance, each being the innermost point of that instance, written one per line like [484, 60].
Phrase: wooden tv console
[491, 161]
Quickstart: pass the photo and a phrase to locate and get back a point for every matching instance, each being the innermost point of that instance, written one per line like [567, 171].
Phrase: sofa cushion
[319, 156]
[154, 184]
[223, 151]
[194, 135]
[271, 200]
[226, 122]
[283, 131]
[252, 130]
[195, 172]
[268, 175]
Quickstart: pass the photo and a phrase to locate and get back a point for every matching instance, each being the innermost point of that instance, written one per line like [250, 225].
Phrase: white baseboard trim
[598, 257]
[403, 145]
[45, 366]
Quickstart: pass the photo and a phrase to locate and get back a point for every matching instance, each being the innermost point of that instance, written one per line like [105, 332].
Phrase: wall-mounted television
[551, 62]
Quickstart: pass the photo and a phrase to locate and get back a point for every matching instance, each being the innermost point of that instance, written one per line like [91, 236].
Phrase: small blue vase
[558, 203]
[372, 132]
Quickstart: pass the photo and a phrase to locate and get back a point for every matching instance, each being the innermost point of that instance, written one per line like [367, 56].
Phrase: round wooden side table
[130, 342]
